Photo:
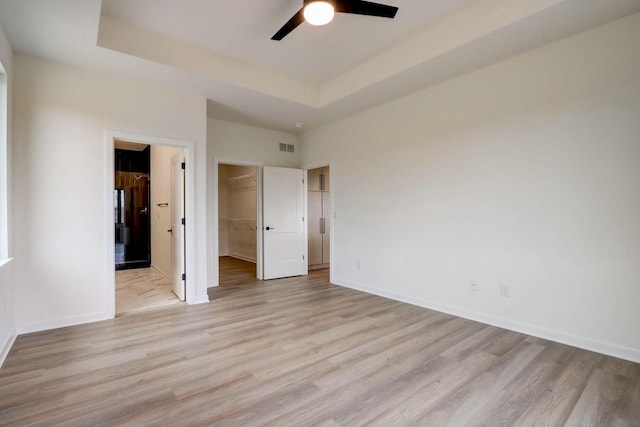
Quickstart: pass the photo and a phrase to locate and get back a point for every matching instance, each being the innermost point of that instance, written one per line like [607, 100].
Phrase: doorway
[319, 213]
[131, 200]
[237, 224]
[149, 246]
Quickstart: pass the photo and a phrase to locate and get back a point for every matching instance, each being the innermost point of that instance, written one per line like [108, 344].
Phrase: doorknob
[170, 230]
[269, 228]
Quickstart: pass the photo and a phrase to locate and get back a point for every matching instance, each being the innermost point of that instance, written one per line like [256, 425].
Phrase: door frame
[306, 169]
[188, 148]
[178, 160]
[214, 261]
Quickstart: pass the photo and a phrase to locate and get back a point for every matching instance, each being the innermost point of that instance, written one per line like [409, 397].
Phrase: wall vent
[287, 148]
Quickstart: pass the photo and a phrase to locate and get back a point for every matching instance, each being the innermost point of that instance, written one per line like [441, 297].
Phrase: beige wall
[523, 174]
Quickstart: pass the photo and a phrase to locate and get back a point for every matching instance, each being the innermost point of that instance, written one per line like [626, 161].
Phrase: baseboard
[201, 299]
[62, 323]
[6, 348]
[626, 353]
[242, 257]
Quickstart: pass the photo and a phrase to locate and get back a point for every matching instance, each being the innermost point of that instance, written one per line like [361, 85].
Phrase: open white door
[177, 226]
[283, 223]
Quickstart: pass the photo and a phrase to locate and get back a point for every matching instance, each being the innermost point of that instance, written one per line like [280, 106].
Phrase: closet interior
[237, 212]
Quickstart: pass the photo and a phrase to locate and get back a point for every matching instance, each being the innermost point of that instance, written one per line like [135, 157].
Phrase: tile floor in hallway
[142, 289]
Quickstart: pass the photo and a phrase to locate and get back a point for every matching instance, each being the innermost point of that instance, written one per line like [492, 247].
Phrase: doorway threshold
[129, 265]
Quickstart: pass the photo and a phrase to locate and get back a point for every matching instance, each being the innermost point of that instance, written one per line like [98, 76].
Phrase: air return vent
[287, 148]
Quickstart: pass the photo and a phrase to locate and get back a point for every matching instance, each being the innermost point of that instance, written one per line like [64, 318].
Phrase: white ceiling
[242, 30]
[222, 49]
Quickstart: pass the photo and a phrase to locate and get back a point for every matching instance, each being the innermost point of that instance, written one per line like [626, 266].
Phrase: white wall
[239, 144]
[232, 143]
[525, 173]
[161, 216]
[7, 283]
[60, 161]
[7, 312]
[6, 61]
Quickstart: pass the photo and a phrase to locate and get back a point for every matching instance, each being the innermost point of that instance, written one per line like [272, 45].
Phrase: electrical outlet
[474, 285]
[505, 291]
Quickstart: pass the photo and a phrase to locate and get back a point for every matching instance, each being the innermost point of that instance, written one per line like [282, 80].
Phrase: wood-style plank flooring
[302, 352]
[236, 272]
[142, 289]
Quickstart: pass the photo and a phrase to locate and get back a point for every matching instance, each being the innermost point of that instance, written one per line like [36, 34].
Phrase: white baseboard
[6, 348]
[609, 349]
[242, 257]
[62, 323]
[200, 299]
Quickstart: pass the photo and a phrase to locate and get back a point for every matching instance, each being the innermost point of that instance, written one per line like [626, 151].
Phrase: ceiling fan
[320, 12]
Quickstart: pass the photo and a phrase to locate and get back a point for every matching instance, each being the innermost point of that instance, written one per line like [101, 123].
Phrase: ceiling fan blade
[360, 7]
[291, 25]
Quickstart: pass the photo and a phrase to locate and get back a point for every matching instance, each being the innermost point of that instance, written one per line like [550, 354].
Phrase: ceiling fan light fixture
[321, 12]
[318, 12]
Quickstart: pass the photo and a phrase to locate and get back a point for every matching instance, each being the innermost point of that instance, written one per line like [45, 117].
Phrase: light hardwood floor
[142, 289]
[236, 272]
[301, 352]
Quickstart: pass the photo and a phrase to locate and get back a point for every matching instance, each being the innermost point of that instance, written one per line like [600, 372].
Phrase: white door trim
[214, 264]
[177, 211]
[190, 209]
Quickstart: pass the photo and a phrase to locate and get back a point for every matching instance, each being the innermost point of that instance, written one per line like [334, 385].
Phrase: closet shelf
[242, 182]
[240, 223]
